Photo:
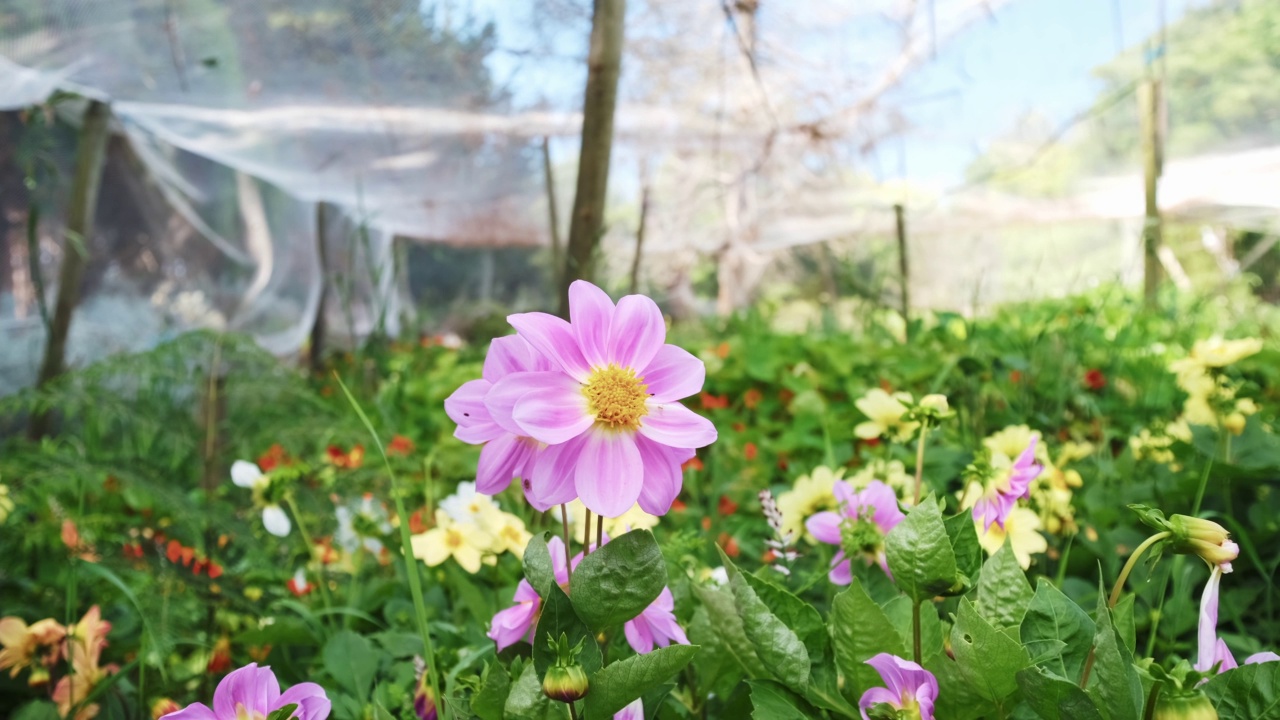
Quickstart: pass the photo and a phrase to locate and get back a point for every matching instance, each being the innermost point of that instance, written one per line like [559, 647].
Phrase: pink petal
[555, 546]
[510, 626]
[554, 339]
[638, 635]
[554, 411]
[846, 497]
[884, 504]
[466, 405]
[313, 704]
[194, 711]
[610, 473]
[638, 332]
[553, 472]
[525, 593]
[1261, 657]
[662, 476]
[677, 426]
[591, 314]
[825, 527]
[254, 687]
[877, 695]
[503, 395]
[1207, 627]
[673, 374]
[502, 460]
[511, 354]
[841, 572]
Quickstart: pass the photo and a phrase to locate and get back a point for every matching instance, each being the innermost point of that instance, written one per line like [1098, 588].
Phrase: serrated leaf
[1003, 591]
[350, 659]
[527, 701]
[860, 630]
[964, 541]
[1055, 698]
[770, 701]
[1114, 684]
[777, 646]
[987, 657]
[920, 555]
[803, 619]
[1051, 616]
[618, 581]
[558, 617]
[491, 698]
[722, 613]
[931, 635]
[1249, 692]
[614, 687]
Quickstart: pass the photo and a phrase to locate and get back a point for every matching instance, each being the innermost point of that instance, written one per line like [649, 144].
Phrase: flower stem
[568, 561]
[573, 712]
[410, 563]
[924, 432]
[1204, 482]
[1117, 589]
[586, 534]
[306, 540]
[599, 531]
[915, 632]
[1177, 562]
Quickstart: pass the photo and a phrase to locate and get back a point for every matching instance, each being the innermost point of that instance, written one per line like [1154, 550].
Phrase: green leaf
[558, 617]
[803, 619]
[1122, 616]
[399, 645]
[987, 657]
[527, 701]
[931, 635]
[920, 555]
[538, 569]
[491, 698]
[614, 687]
[1054, 698]
[964, 539]
[958, 699]
[770, 701]
[777, 645]
[1250, 692]
[1052, 616]
[618, 581]
[723, 616]
[860, 630]
[824, 689]
[37, 710]
[283, 713]
[351, 660]
[1003, 590]
[1114, 684]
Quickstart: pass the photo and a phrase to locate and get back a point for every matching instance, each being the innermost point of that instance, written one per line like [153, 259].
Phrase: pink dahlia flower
[655, 626]
[608, 410]
[634, 711]
[254, 692]
[907, 687]
[999, 498]
[859, 526]
[508, 451]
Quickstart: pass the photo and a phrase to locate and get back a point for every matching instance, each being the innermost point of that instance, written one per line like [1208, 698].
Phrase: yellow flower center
[616, 397]
[453, 539]
[244, 714]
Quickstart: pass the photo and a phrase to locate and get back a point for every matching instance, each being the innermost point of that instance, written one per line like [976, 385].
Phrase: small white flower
[276, 521]
[248, 475]
[466, 505]
[719, 576]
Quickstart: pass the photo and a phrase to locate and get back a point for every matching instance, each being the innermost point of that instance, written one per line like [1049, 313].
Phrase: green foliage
[614, 687]
[920, 555]
[619, 580]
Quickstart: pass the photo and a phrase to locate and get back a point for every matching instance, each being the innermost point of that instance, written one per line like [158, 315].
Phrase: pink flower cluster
[585, 409]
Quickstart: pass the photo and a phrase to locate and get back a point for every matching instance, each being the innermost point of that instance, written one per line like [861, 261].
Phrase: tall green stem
[1177, 562]
[924, 432]
[306, 540]
[410, 563]
[1115, 594]
[915, 633]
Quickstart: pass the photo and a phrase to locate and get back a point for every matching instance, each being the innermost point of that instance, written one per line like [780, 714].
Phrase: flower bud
[163, 707]
[936, 403]
[1234, 423]
[1205, 538]
[565, 684]
[1181, 705]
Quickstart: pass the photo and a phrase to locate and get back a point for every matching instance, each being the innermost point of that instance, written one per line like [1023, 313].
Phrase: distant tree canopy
[1221, 69]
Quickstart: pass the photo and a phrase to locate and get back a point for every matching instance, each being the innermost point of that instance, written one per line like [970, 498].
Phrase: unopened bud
[565, 681]
[1234, 423]
[935, 403]
[1205, 538]
[163, 707]
[1182, 705]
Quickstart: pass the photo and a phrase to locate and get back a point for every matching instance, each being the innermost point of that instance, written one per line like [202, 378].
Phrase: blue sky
[1033, 55]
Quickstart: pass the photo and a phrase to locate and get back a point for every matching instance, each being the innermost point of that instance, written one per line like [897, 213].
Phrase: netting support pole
[904, 274]
[553, 218]
[604, 63]
[85, 183]
[316, 348]
[640, 228]
[1149, 100]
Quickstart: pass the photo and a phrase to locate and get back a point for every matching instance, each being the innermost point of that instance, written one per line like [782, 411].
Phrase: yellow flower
[509, 534]
[890, 472]
[811, 493]
[1022, 527]
[22, 642]
[6, 503]
[1011, 441]
[464, 542]
[633, 519]
[1072, 451]
[884, 416]
[1149, 446]
[1216, 352]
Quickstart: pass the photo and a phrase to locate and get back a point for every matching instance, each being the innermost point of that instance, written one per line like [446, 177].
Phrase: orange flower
[750, 451]
[730, 545]
[722, 350]
[163, 707]
[220, 660]
[259, 653]
[71, 538]
[416, 525]
[350, 460]
[399, 445]
[274, 457]
[678, 505]
[693, 463]
[727, 506]
[752, 398]
[713, 402]
[1015, 376]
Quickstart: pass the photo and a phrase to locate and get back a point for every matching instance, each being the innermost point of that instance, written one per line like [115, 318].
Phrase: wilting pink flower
[508, 451]
[634, 711]
[908, 687]
[254, 692]
[999, 497]
[1212, 650]
[859, 526]
[655, 626]
[519, 621]
[609, 409]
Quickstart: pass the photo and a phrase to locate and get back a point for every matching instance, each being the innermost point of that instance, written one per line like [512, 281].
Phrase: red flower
[299, 585]
[752, 398]
[416, 525]
[220, 660]
[399, 445]
[727, 506]
[786, 396]
[340, 458]
[750, 451]
[678, 505]
[692, 463]
[1015, 377]
[215, 570]
[713, 402]
[274, 457]
[1095, 380]
[730, 545]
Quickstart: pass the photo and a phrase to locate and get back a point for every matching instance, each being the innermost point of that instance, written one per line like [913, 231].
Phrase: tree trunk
[79, 232]
[604, 63]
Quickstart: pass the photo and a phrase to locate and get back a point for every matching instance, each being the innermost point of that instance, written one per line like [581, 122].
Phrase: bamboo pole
[75, 251]
[319, 328]
[1152, 233]
[604, 63]
[904, 274]
[640, 229]
[553, 216]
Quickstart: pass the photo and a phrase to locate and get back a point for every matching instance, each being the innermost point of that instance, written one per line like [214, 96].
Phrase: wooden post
[1152, 161]
[318, 328]
[904, 273]
[553, 217]
[75, 250]
[644, 215]
[604, 63]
